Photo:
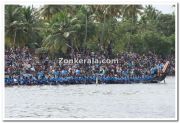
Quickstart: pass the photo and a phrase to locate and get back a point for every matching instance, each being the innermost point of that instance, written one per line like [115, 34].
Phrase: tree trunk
[102, 33]
[85, 38]
[14, 38]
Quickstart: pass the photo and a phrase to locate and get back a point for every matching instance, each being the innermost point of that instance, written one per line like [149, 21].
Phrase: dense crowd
[23, 64]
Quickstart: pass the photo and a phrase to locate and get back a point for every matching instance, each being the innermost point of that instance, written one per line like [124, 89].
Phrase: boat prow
[162, 74]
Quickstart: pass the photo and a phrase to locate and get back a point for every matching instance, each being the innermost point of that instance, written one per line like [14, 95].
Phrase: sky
[166, 9]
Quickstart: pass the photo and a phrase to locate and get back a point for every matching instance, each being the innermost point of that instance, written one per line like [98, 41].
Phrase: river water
[92, 101]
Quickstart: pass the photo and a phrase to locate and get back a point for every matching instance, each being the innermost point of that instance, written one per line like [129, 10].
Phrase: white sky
[166, 9]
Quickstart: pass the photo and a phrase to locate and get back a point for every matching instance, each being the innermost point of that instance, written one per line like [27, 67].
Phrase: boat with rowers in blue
[156, 76]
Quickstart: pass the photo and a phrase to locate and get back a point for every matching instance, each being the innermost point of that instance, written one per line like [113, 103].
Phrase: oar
[97, 80]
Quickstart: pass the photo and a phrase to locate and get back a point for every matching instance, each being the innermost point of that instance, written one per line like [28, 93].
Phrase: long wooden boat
[95, 79]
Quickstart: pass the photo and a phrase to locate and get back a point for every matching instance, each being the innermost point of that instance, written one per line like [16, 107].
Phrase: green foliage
[166, 24]
[21, 27]
[63, 29]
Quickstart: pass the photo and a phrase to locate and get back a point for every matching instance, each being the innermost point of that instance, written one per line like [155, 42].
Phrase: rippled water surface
[92, 101]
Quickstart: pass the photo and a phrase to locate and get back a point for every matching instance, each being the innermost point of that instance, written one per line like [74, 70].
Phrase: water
[92, 101]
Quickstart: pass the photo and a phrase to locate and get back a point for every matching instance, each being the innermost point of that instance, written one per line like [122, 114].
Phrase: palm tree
[31, 26]
[63, 33]
[151, 13]
[47, 11]
[84, 13]
[104, 13]
[13, 23]
[131, 12]
[20, 26]
[149, 18]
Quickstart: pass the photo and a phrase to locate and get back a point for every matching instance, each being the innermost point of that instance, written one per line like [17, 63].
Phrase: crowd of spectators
[22, 63]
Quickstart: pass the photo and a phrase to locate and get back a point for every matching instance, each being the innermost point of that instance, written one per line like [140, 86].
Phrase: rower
[159, 67]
